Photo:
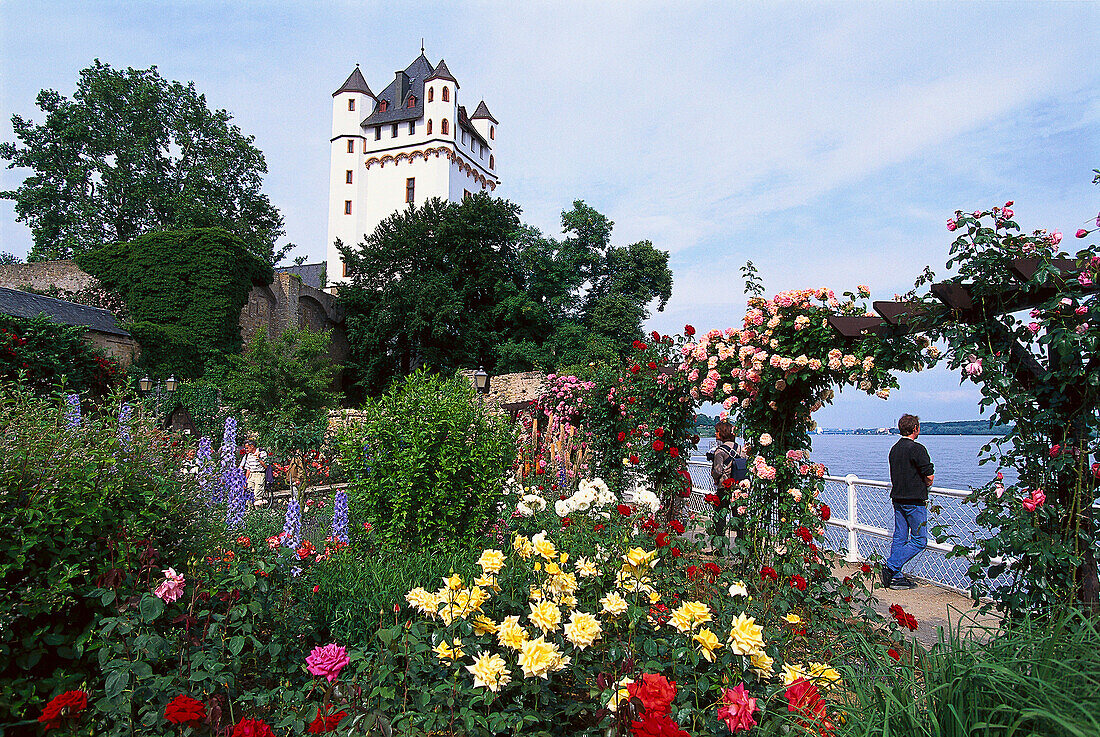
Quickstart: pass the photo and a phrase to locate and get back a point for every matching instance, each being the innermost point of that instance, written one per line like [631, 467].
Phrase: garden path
[933, 607]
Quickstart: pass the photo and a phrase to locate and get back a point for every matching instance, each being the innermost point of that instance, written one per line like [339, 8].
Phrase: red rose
[674, 452]
[652, 365]
[656, 336]
[712, 568]
[826, 513]
[865, 568]
[657, 726]
[658, 445]
[689, 330]
[185, 710]
[727, 483]
[597, 528]
[659, 432]
[322, 724]
[798, 582]
[68, 705]
[662, 539]
[676, 553]
[676, 525]
[635, 369]
[1055, 450]
[624, 510]
[713, 499]
[252, 728]
[805, 534]
[804, 699]
[692, 572]
[768, 572]
[622, 437]
[893, 654]
[634, 460]
[565, 522]
[655, 692]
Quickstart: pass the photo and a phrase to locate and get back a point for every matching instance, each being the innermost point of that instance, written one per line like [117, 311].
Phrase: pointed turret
[483, 112]
[442, 72]
[355, 83]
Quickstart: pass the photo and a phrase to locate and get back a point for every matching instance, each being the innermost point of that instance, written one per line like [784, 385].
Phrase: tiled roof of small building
[409, 82]
[310, 274]
[354, 83]
[483, 112]
[27, 305]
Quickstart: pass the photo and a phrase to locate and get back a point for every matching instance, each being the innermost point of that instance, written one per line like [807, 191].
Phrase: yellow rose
[489, 581]
[545, 615]
[449, 650]
[511, 634]
[637, 557]
[489, 672]
[746, 636]
[522, 546]
[792, 672]
[483, 625]
[423, 601]
[583, 629]
[538, 658]
[621, 694]
[453, 582]
[563, 558]
[689, 615]
[491, 561]
[536, 593]
[565, 583]
[823, 674]
[544, 547]
[614, 604]
[793, 618]
[708, 643]
[552, 568]
[568, 601]
[586, 568]
[762, 664]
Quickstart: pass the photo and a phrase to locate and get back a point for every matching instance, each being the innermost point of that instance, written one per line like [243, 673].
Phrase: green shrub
[72, 500]
[41, 353]
[427, 463]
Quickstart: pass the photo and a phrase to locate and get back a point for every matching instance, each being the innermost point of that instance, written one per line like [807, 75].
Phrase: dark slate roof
[464, 122]
[408, 82]
[355, 83]
[442, 72]
[483, 112]
[27, 305]
[310, 274]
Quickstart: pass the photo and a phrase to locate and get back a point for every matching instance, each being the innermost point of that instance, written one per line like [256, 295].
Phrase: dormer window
[431, 94]
[382, 106]
[351, 105]
[446, 94]
[412, 102]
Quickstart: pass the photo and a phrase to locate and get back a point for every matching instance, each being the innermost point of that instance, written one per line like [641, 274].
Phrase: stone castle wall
[63, 275]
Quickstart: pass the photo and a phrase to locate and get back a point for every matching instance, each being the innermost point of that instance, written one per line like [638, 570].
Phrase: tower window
[444, 128]
[351, 104]
[465, 138]
[492, 163]
[431, 94]
[412, 127]
[351, 145]
[429, 127]
[348, 271]
[492, 133]
[347, 207]
[410, 188]
[446, 94]
[377, 132]
[348, 175]
[382, 106]
[393, 131]
[412, 102]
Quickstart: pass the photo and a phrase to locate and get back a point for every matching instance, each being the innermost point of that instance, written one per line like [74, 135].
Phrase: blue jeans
[910, 534]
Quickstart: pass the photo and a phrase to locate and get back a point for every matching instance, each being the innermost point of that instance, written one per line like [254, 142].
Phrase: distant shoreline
[965, 427]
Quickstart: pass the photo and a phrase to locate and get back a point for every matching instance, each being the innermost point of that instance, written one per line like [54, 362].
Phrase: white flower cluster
[591, 495]
[529, 504]
[644, 499]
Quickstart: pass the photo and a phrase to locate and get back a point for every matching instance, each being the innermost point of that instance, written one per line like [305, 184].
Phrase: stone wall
[64, 275]
[121, 347]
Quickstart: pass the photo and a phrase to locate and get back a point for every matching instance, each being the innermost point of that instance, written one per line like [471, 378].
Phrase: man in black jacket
[911, 473]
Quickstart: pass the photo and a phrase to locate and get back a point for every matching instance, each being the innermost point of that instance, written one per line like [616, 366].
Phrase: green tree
[282, 385]
[130, 154]
[185, 291]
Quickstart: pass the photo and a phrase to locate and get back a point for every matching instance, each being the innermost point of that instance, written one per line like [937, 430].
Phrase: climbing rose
[689, 330]
[1035, 500]
[327, 661]
[951, 225]
[826, 512]
[68, 705]
[1082, 233]
[737, 709]
[768, 572]
[185, 710]
[658, 445]
[798, 582]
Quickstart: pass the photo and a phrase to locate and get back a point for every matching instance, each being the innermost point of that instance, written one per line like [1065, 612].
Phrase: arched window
[412, 101]
[492, 163]
[351, 105]
[446, 94]
[429, 127]
[431, 94]
[492, 133]
[382, 106]
[444, 127]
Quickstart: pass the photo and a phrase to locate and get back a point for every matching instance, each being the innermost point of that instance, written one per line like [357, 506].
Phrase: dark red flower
[866, 568]
[597, 528]
[625, 510]
[655, 692]
[689, 330]
[804, 699]
[804, 533]
[68, 705]
[677, 526]
[674, 452]
[902, 617]
[826, 513]
[622, 437]
[634, 460]
[659, 432]
[713, 499]
[893, 654]
[798, 582]
[676, 553]
[322, 724]
[692, 572]
[662, 539]
[635, 369]
[656, 336]
[657, 726]
[252, 728]
[712, 568]
[768, 572]
[565, 522]
[658, 445]
[185, 710]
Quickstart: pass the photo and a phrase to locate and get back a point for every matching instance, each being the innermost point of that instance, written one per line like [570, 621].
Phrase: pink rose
[974, 367]
[1056, 238]
[1033, 327]
[1084, 279]
[999, 489]
[327, 661]
[951, 225]
[171, 588]
[1035, 500]
[737, 709]
[1081, 233]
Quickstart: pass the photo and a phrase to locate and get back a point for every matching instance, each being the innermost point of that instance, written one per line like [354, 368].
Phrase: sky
[827, 142]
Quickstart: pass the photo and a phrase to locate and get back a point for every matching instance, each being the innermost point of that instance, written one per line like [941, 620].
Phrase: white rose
[561, 506]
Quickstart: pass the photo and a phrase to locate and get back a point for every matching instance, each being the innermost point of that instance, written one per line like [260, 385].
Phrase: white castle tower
[409, 143]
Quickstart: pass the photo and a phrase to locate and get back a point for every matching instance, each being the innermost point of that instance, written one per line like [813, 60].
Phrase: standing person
[254, 464]
[910, 476]
[727, 468]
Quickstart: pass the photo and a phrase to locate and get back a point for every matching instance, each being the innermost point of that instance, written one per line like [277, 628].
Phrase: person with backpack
[728, 467]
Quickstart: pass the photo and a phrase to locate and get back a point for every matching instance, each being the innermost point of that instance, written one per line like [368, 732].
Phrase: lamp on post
[170, 383]
[481, 380]
[145, 384]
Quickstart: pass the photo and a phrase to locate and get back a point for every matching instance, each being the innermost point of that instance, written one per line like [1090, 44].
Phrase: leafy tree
[130, 154]
[283, 385]
[8, 258]
[185, 291]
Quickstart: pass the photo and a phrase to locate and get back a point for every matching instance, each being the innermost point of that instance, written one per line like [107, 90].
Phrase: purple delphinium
[292, 527]
[205, 470]
[228, 461]
[238, 500]
[124, 426]
[340, 517]
[72, 416]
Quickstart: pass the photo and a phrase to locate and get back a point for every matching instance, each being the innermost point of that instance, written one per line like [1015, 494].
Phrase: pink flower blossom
[999, 489]
[1033, 327]
[974, 367]
[1084, 279]
[1081, 310]
[1056, 238]
[1035, 500]
[737, 709]
[327, 661]
[171, 588]
[951, 224]
[1082, 328]
[1081, 233]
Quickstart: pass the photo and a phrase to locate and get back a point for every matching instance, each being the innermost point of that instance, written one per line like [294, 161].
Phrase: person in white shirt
[254, 464]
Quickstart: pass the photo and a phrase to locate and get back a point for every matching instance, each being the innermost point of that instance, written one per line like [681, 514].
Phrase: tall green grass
[1023, 678]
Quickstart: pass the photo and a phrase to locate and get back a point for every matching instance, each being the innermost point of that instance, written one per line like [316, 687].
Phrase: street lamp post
[481, 380]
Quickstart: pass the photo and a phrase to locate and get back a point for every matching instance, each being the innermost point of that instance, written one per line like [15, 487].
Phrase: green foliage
[73, 498]
[282, 386]
[457, 285]
[185, 290]
[130, 154]
[426, 463]
[40, 354]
